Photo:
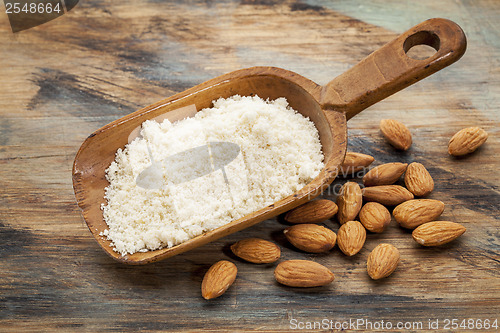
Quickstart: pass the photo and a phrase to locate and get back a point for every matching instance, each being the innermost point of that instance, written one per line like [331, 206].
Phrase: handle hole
[421, 45]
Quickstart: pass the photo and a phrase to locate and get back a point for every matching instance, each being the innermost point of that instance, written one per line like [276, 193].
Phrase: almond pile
[378, 192]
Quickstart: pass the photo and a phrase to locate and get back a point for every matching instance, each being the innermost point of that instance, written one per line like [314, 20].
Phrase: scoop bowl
[382, 73]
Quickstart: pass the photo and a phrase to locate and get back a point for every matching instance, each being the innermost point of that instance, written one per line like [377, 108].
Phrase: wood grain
[105, 59]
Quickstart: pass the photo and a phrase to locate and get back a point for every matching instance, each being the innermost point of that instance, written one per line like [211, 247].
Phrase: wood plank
[63, 80]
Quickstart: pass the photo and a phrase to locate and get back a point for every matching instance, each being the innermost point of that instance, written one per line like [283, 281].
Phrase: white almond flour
[280, 153]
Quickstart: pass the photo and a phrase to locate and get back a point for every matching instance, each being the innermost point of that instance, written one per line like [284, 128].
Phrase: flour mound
[280, 153]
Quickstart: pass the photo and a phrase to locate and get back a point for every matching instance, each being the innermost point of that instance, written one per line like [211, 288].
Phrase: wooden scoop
[379, 75]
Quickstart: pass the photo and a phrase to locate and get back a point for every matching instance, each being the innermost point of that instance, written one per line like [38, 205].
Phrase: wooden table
[63, 80]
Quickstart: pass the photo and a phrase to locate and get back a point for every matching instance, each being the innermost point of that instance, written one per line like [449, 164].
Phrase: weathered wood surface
[105, 59]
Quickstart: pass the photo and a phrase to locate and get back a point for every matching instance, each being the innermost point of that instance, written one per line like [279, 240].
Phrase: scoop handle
[389, 69]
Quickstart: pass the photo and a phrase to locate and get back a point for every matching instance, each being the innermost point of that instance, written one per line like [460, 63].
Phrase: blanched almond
[311, 238]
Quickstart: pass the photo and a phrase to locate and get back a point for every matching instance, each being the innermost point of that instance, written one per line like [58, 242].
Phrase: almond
[397, 134]
[437, 233]
[302, 273]
[256, 250]
[385, 174]
[218, 278]
[412, 213]
[349, 202]
[389, 195]
[312, 212]
[374, 217]
[466, 141]
[382, 261]
[354, 162]
[418, 180]
[311, 238]
[351, 237]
